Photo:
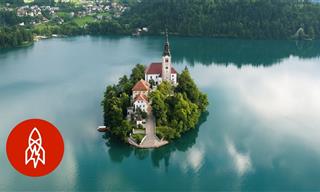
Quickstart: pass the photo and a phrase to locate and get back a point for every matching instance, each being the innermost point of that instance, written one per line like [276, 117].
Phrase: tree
[152, 83]
[187, 86]
[166, 132]
[141, 114]
[159, 107]
[137, 73]
[166, 89]
[125, 85]
[122, 130]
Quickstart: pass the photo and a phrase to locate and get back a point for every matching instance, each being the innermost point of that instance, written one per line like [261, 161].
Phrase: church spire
[166, 48]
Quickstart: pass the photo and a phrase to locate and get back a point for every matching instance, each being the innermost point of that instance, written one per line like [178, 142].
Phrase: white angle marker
[35, 152]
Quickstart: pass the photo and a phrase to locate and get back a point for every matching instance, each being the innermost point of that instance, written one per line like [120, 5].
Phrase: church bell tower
[166, 60]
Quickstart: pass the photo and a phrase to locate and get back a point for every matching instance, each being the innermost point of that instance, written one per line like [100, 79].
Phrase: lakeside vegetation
[116, 101]
[14, 37]
[259, 19]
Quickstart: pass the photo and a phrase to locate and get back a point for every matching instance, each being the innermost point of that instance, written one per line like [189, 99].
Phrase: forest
[14, 37]
[250, 19]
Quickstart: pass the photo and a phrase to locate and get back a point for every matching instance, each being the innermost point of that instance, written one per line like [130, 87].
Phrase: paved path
[150, 140]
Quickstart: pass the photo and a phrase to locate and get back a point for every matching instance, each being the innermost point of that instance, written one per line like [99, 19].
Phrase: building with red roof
[163, 71]
[141, 101]
[141, 87]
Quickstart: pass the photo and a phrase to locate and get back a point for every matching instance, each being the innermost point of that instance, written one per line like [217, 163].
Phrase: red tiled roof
[173, 70]
[141, 85]
[156, 68]
[141, 97]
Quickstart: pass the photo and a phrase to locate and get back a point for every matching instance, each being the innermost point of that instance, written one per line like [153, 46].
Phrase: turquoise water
[261, 133]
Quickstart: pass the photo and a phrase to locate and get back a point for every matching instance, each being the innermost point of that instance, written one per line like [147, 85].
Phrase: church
[162, 71]
[158, 72]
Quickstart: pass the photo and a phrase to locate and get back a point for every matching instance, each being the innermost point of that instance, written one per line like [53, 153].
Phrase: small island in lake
[154, 105]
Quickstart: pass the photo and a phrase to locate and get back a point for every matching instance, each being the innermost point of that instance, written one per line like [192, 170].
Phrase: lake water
[262, 131]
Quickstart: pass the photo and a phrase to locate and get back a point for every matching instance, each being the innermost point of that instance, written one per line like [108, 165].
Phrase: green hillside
[264, 19]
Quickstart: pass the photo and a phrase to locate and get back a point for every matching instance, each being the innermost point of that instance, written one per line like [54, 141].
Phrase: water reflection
[240, 52]
[242, 161]
[270, 116]
[119, 151]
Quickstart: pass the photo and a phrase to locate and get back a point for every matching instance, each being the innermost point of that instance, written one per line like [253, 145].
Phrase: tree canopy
[116, 101]
[263, 19]
[177, 109]
[15, 36]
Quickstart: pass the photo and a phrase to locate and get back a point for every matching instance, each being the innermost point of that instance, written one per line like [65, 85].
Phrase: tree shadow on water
[182, 144]
[118, 151]
[208, 51]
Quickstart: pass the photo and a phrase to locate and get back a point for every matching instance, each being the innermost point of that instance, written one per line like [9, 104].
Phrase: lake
[262, 130]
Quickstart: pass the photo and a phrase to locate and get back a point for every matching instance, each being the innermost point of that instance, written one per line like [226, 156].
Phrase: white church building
[163, 71]
[158, 72]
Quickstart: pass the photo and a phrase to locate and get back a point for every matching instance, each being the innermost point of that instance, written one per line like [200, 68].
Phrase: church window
[167, 60]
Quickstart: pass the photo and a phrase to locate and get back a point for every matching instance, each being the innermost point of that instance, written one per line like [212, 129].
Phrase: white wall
[141, 104]
[174, 78]
[155, 77]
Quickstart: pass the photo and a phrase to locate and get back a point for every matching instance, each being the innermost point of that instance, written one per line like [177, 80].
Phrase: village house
[141, 87]
[141, 101]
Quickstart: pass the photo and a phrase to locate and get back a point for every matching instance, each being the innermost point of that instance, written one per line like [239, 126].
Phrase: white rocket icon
[35, 151]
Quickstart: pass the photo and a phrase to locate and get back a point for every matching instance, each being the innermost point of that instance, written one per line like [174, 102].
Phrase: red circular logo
[35, 147]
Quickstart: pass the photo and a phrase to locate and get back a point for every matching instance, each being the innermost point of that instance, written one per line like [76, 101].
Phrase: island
[154, 105]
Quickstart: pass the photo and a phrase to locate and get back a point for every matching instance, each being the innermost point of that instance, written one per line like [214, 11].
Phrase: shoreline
[37, 38]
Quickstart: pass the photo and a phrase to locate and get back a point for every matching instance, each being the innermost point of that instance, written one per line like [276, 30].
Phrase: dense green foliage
[229, 18]
[12, 36]
[117, 100]
[177, 109]
[8, 18]
[253, 19]
[15, 36]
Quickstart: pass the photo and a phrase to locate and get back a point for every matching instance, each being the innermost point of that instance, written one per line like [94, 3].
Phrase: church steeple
[166, 48]
[166, 60]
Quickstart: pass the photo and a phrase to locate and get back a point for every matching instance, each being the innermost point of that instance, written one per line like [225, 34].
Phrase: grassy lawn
[63, 14]
[81, 21]
[44, 28]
